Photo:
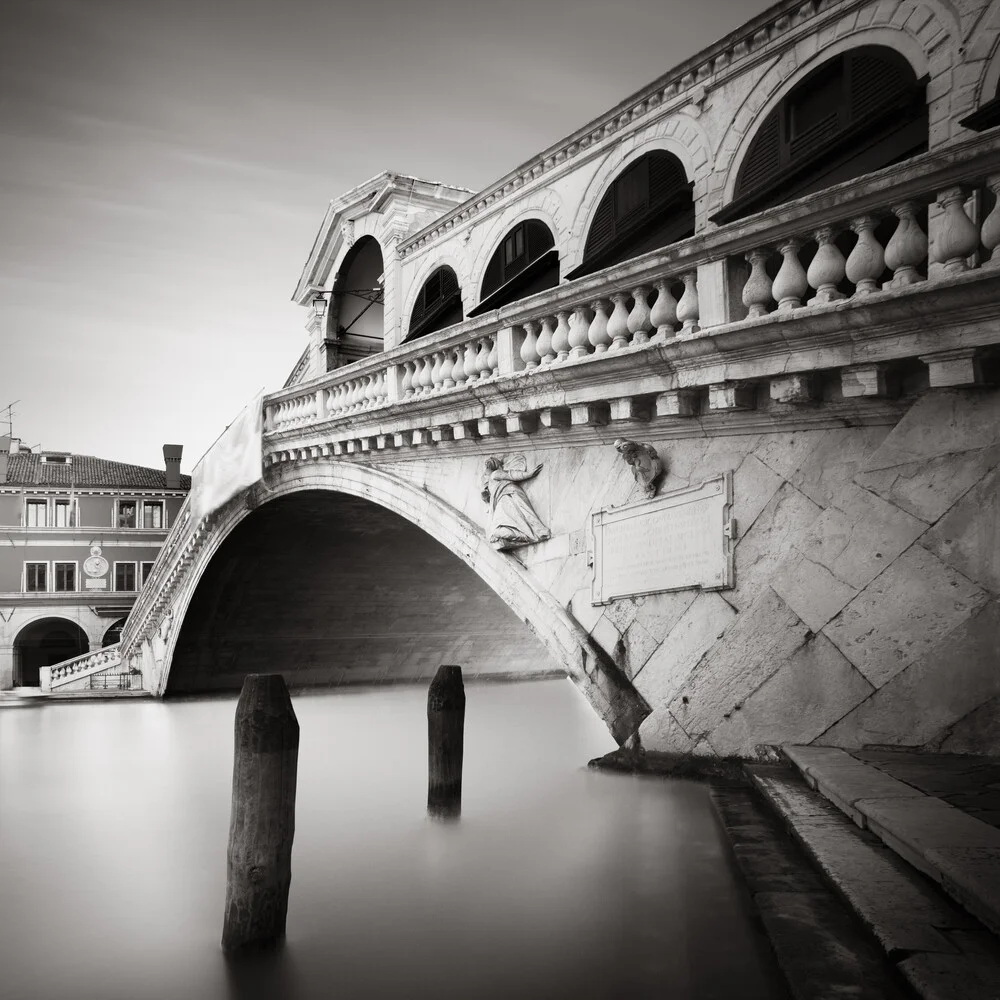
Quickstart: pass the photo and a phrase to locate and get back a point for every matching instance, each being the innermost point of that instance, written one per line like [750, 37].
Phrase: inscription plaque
[675, 541]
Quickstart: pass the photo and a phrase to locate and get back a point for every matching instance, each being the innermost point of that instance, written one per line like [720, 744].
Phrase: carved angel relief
[645, 463]
[513, 521]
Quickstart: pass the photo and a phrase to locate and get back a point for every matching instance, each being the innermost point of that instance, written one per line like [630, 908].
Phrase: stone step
[958, 851]
[938, 948]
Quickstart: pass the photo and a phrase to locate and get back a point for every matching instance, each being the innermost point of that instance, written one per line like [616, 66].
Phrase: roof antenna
[7, 413]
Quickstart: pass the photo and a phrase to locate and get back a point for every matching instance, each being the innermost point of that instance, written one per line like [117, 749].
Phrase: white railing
[69, 671]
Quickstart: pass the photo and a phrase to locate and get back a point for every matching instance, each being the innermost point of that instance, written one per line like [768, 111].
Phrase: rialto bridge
[787, 297]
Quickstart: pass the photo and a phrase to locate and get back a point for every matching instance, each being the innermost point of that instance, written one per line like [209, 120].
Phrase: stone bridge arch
[568, 644]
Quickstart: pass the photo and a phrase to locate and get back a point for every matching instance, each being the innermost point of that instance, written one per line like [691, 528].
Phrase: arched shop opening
[43, 643]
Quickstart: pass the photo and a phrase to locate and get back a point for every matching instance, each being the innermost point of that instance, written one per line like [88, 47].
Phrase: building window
[147, 568]
[124, 576]
[37, 511]
[126, 514]
[152, 514]
[64, 574]
[36, 577]
[438, 305]
[64, 514]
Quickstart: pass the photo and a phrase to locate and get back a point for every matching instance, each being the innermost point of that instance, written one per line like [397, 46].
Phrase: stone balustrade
[860, 244]
[69, 671]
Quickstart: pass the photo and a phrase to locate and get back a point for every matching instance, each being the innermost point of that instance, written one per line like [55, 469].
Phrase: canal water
[556, 882]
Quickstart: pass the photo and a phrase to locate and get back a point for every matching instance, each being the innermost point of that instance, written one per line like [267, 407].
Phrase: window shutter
[493, 278]
[666, 178]
[875, 82]
[763, 158]
[602, 229]
[539, 240]
[439, 287]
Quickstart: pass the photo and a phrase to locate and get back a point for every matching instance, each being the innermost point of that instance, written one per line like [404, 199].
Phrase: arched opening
[326, 588]
[438, 305]
[647, 206]
[859, 111]
[114, 633]
[524, 263]
[43, 643]
[355, 322]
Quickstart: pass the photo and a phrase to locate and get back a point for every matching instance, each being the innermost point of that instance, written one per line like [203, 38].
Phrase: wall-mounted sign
[95, 584]
[677, 540]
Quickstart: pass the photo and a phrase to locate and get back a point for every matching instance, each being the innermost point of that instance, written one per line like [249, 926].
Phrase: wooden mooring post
[262, 823]
[445, 742]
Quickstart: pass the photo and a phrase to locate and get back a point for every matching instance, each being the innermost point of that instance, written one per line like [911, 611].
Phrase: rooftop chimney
[172, 458]
[4, 456]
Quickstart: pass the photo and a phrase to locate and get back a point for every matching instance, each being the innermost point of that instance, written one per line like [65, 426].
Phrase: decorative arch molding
[602, 683]
[42, 616]
[546, 206]
[673, 135]
[426, 269]
[367, 225]
[786, 73]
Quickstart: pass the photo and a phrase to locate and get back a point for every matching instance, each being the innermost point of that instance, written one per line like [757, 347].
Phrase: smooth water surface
[556, 882]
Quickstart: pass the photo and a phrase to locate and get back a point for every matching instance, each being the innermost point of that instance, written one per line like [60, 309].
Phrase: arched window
[860, 111]
[438, 305]
[524, 263]
[647, 206]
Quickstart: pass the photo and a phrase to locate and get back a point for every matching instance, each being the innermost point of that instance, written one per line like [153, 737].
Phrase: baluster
[426, 375]
[381, 390]
[907, 249]
[482, 360]
[447, 365]
[529, 349]
[866, 261]
[598, 334]
[493, 357]
[991, 224]
[663, 315]
[827, 268]
[757, 290]
[618, 322]
[688, 311]
[560, 336]
[790, 285]
[436, 378]
[579, 325]
[458, 365]
[469, 365]
[957, 238]
[407, 387]
[638, 318]
[331, 402]
[544, 346]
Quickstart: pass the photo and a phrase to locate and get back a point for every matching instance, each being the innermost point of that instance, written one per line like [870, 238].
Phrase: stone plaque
[96, 584]
[677, 540]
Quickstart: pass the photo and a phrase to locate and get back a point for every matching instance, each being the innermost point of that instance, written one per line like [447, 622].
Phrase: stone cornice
[766, 35]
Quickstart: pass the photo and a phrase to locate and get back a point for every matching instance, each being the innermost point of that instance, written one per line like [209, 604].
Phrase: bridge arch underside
[327, 588]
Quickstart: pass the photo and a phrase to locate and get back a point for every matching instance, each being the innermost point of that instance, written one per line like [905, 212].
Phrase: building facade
[80, 537]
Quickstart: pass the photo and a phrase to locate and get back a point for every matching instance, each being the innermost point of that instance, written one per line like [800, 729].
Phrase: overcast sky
[165, 165]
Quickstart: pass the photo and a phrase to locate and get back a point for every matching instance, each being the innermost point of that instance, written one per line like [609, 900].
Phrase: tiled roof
[28, 469]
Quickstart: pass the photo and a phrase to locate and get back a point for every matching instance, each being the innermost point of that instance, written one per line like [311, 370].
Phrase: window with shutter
[647, 206]
[858, 112]
[438, 305]
[524, 263]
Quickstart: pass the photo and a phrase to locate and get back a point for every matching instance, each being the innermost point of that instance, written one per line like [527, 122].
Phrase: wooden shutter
[874, 83]
[763, 158]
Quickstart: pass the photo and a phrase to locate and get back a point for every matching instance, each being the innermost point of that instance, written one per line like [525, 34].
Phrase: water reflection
[556, 882]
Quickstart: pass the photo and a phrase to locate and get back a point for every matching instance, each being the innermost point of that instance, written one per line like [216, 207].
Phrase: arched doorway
[114, 633]
[326, 588]
[44, 643]
[355, 323]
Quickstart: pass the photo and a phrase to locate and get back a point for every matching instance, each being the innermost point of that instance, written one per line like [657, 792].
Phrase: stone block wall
[866, 608]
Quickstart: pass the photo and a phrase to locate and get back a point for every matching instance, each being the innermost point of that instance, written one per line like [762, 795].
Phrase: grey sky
[164, 167]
